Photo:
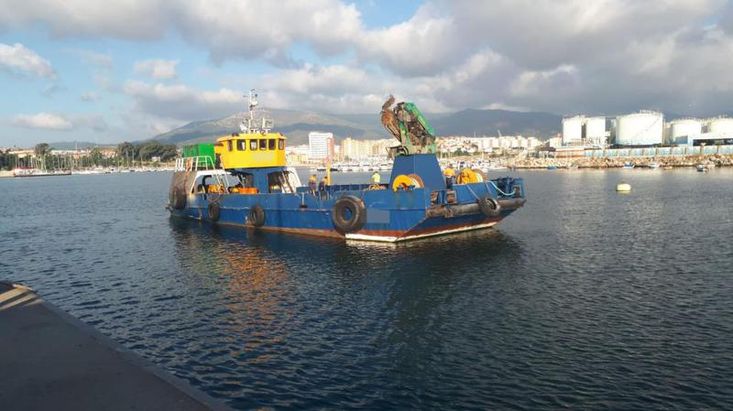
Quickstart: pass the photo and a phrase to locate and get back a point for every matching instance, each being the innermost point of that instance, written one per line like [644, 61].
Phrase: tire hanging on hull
[489, 206]
[348, 214]
[214, 212]
[256, 216]
[178, 199]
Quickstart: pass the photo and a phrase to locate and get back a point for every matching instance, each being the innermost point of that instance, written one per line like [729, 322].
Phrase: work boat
[243, 180]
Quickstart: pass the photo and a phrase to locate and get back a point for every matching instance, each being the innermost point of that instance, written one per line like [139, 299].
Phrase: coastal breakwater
[719, 160]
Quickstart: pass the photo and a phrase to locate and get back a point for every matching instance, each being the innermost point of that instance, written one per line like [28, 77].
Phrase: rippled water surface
[584, 299]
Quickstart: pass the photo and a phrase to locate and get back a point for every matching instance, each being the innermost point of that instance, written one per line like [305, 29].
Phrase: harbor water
[584, 299]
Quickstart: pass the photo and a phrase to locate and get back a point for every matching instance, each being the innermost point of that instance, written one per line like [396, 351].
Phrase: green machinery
[408, 125]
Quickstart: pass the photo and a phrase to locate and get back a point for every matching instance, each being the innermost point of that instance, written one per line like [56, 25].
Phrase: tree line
[126, 154]
[145, 151]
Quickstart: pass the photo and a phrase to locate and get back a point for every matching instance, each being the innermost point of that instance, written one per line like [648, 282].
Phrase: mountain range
[297, 124]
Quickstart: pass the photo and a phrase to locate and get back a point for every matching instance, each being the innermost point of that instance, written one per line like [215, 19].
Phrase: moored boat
[243, 180]
[36, 172]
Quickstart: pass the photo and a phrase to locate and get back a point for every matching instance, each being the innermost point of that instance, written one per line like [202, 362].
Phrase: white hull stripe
[393, 239]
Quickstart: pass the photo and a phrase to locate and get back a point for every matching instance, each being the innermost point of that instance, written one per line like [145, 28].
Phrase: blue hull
[390, 215]
[393, 212]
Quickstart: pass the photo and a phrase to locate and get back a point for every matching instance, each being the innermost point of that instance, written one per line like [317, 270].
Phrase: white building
[320, 145]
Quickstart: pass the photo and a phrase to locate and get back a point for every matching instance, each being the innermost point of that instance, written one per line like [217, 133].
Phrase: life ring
[178, 199]
[214, 211]
[489, 206]
[256, 216]
[348, 214]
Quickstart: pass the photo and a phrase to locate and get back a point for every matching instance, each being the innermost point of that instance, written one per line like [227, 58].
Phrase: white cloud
[252, 28]
[552, 55]
[45, 121]
[19, 59]
[530, 83]
[157, 69]
[130, 19]
[227, 29]
[179, 101]
[425, 44]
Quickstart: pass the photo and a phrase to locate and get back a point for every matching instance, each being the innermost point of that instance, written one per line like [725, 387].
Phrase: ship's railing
[195, 163]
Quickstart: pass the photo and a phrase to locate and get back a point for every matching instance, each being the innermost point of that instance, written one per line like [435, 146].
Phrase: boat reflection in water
[300, 321]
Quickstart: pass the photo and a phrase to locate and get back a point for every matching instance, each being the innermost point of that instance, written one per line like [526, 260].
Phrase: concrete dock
[51, 361]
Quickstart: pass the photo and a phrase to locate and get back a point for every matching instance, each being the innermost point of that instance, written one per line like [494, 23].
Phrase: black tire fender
[178, 199]
[348, 214]
[214, 211]
[256, 216]
[489, 206]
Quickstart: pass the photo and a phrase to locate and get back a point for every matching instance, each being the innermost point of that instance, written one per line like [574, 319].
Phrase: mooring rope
[498, 189]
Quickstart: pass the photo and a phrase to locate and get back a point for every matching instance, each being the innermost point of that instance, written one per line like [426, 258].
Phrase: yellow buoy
[623, 187]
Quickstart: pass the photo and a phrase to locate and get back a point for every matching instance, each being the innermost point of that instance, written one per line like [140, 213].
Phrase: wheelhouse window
[241, 145]
[263, 144]
[281, 144]
[271, 144]
[229, 145]
[253, 145]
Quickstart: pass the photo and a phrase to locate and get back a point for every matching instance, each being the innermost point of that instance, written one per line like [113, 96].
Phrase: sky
[106, 72]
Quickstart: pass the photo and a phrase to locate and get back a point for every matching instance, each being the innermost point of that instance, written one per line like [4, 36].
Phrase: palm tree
[41, 151]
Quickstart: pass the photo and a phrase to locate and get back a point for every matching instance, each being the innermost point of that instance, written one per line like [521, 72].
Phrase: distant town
[585, 141]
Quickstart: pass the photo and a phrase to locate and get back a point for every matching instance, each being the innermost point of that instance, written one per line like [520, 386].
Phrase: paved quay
[52, 361]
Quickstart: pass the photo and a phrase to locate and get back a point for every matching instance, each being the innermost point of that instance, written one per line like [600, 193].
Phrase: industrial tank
[721, 125]
[640, 129]
[685, 127]
[572, 130]
[595, 130]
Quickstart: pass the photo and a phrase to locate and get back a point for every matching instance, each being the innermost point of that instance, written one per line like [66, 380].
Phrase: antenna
[252, 104]
[252, 99]
[249, 123]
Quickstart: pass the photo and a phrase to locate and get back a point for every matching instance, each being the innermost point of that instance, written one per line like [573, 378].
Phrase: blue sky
[86, 71]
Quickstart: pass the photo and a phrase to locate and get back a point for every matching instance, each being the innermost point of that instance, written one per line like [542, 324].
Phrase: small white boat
[37, 172]
[653, 165]
[702, 168]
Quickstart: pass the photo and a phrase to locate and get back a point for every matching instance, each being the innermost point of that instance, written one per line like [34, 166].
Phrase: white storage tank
[721, 125]
[685, 127]
[640, 129]
[595, 130]
[572, 130]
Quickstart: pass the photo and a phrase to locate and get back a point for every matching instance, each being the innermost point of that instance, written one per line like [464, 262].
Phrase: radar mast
[252, 124]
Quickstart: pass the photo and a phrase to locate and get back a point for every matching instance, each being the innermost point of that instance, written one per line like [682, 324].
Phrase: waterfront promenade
[51, 361]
